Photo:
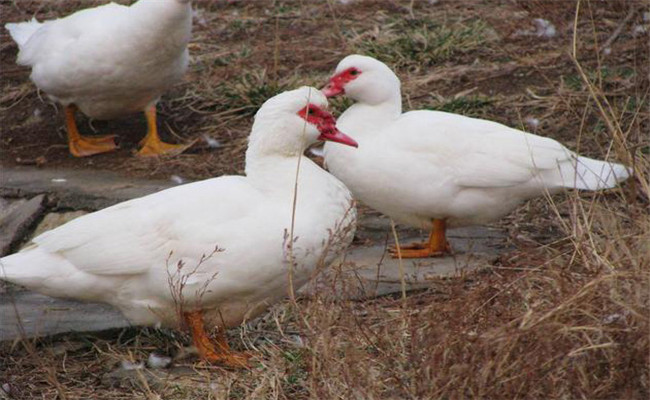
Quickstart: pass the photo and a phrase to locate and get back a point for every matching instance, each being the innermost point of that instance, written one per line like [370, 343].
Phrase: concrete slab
[53, 220]
[369, 271]
[28, 314]
[77, 190]
[366, 272]
[15, 220]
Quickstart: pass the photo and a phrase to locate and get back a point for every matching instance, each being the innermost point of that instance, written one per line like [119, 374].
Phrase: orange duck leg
[217, 352]
[436, 246]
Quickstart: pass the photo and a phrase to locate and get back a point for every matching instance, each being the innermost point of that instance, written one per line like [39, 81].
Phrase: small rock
[157, 361]
[211, 142]
[639, 30]
[177, 179]
[611, 318]
[532, 123]
[544, 28]
[131, 365]
[6, 388]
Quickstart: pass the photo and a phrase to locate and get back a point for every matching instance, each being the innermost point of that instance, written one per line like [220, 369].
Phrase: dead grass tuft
[420, 43]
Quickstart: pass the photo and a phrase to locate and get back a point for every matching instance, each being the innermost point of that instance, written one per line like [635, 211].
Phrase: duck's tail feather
[21, 31]
[590, 174]
[37, 270]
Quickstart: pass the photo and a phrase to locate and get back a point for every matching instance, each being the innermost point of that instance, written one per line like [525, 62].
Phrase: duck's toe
[84, 146]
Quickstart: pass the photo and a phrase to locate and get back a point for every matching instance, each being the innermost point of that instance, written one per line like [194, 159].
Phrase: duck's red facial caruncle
[326, 125]
[336, 85]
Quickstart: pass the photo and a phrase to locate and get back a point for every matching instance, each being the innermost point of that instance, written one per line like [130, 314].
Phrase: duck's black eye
[354, 72]
[312, 110]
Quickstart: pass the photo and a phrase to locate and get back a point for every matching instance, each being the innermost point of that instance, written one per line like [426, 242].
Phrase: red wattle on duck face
[336, 85]
[326, 125]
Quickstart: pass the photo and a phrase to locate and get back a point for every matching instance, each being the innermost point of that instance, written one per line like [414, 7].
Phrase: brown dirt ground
[303, 41]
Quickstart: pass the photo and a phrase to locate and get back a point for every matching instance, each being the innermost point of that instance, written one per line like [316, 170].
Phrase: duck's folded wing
[480, 153]
[501, 160]
[56, 38]
[114, 241]
[130, 237]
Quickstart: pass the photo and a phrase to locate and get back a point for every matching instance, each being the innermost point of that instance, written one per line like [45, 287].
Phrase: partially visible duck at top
[273, 227]
[434, 170]
[107, 62]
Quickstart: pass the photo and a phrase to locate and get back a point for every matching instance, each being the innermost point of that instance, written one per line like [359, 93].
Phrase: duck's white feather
[422, 165]
[21, 32]
[101, 243]
[488, 154]
[129, 254]
[108, 60]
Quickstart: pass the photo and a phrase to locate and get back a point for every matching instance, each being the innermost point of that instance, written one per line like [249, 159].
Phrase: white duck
[109, 61]
[151, 257]
[435, 170]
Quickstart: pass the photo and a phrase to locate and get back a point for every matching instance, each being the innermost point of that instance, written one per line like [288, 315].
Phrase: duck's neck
[387, 109]
[374, 114]
[276, 173]
[267, 150]
[392, 105]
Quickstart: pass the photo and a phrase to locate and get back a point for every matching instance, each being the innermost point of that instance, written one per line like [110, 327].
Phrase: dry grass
[565, 315]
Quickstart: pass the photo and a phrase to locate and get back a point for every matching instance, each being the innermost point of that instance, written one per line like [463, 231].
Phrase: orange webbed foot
[414, 252]
[152, 145]
[436, 246]
[236, 360]
[214, 352]
[83, 146]
[412, 246]
[152, 149]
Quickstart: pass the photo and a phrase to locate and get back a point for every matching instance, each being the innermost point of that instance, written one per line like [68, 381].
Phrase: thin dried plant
[178, 276]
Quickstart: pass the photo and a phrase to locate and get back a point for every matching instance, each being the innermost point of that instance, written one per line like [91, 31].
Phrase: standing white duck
[146, 255]
[435, 170]
[109, 61]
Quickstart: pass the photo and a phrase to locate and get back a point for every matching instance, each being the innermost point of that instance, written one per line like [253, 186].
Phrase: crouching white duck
[435, 170]
[109, 61]
[153, 257]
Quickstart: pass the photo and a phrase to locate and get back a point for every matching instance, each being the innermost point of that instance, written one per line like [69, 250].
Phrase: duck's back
[429, 164]
[39, 42]
[109, 60]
